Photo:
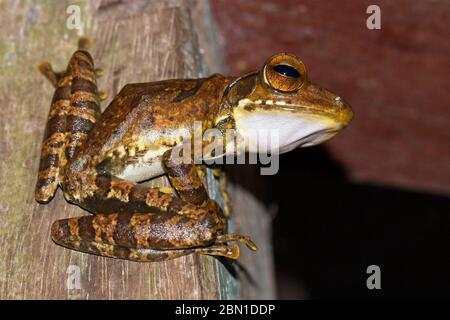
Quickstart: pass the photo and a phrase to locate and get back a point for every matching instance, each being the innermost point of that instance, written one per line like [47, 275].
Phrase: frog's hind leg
[85, 43]
[134, 219]
[74, 110]
[52, 152]
[144, 237]
[139, 223]
[84, 108]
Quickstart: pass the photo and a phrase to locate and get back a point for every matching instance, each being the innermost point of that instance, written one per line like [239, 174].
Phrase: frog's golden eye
[285, 73]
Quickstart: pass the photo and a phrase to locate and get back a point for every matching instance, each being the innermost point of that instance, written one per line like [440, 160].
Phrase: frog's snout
[345, 112]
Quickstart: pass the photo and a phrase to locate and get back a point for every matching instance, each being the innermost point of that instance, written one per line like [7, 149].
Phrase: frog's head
[280, 97]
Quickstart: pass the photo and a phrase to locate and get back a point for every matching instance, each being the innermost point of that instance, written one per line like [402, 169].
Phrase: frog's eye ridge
[286, 70]
[284, 73]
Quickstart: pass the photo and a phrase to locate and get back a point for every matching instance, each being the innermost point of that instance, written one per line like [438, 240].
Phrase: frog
[100, 159]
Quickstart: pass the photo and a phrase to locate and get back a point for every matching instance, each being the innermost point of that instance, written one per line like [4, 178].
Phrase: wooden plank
[139, 41]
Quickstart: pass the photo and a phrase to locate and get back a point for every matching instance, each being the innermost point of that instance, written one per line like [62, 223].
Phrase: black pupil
[287, 71]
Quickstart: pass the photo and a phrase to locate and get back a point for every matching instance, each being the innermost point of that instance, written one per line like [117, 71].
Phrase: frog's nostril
[345, 113]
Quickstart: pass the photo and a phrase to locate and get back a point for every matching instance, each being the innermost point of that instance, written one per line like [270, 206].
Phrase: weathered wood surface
[135, 42]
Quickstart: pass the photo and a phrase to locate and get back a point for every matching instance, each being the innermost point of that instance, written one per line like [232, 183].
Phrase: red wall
[397, 79]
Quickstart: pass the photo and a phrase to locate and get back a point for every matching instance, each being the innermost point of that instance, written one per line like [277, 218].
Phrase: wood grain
[139, 41]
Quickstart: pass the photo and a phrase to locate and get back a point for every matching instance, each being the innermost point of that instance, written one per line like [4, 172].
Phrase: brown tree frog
[98, 159]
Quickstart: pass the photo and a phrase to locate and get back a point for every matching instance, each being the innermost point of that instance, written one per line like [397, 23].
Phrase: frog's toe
[227, 251]
[99, 72]
[232, 251]
[84, 43]
[239, 238]
[60, 232]
[102, 95]
[46, 69]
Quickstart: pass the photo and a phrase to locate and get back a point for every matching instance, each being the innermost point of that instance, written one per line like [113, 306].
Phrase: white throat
[275, 130]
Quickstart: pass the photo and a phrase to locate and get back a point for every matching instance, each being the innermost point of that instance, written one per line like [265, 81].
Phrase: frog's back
[146, 119]
[153, 109]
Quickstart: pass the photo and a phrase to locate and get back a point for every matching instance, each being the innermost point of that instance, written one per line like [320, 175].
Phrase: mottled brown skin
[99, 159]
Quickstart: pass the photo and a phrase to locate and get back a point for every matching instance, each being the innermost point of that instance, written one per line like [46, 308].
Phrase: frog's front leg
[144, 224]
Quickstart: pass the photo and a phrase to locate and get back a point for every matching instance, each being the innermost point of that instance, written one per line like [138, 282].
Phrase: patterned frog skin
[98, 159]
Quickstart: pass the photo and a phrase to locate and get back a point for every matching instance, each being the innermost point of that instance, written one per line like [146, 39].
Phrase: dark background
[379, 192]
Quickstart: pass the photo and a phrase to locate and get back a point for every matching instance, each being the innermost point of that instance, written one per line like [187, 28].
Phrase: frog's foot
[222, 250]
[223, 238]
